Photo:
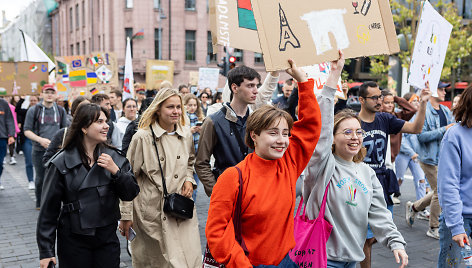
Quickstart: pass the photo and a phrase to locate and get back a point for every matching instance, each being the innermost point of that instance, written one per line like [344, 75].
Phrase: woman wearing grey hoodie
[355, 196]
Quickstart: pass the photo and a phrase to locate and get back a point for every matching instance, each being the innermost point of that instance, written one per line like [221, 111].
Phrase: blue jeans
[3, 152]
[285, 263]
[449, 251]
[194, 194]
[341, 264]
[27, 152]
[40, 170]
[370, 234]
[402, 163]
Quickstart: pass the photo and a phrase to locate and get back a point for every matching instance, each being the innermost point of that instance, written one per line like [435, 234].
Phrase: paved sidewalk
[18, 226]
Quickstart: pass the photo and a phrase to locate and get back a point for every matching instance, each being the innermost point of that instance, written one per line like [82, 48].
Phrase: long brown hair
[198, 112]
[338, 118]
[463, 110]
[86, 114]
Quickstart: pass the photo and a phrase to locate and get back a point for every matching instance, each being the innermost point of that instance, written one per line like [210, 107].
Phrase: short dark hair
[463, 110]
[386, 92]
[238, 74]
[217, 97]
[117, 92]
[182, 86]
[76, 103]
[363, 88]
[98, 98]
[289, 81]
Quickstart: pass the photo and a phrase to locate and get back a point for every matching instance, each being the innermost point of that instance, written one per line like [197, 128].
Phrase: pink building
[83, 26]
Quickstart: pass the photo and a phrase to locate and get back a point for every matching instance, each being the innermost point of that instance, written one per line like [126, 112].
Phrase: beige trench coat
[161, 240]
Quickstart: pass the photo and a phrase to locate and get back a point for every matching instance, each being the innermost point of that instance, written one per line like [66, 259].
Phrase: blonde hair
[338, 118]
[150, 115]
[199, 111]
[165, 84]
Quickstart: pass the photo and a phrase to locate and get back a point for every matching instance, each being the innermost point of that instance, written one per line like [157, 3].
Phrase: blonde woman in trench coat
[161, 240]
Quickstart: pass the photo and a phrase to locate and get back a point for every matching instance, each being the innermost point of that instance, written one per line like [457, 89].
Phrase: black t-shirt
[376, 137]
[442, 117]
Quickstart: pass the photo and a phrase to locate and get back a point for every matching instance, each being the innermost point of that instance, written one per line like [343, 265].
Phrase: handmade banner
[314, 34]
[22, 78]
[158, 71]
[86, 74]
[430, 49]
[320, 73]
[232, 24]
[208, 77]
[193, 78]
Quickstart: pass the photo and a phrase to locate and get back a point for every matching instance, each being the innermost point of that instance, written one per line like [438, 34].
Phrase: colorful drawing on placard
[60, 87]
[286, 34]
[78, 78]
[33, 68]
[321, 23]
[76, 63]
[365, 7]
[355, 4]
[92, 78]
[319, 73]
[61, 68]
[104, 74]
[94, 91]
[362, 34]
[44, 68]
[245, 15]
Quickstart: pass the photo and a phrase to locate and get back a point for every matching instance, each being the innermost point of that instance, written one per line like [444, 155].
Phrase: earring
[85, 132]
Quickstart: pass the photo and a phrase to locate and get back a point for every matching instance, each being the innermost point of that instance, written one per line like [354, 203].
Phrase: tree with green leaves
[406, 17]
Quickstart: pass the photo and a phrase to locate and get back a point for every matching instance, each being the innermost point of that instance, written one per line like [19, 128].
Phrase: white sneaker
[12, 160]
[1, 187]
[31, 185]
[409, 214]
[423, 215]
[433, 232]
[20, 153]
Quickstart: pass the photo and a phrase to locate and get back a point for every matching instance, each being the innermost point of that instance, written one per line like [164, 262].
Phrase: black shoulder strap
[159, 161]
[242, 147]
[36, 113]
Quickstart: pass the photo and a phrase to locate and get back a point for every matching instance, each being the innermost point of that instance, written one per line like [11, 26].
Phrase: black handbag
[176, 205]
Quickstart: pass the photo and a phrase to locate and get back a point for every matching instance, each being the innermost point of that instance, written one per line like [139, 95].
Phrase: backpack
[37, 112]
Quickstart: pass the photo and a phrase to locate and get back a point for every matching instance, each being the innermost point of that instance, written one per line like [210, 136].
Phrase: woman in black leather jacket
[82, 188]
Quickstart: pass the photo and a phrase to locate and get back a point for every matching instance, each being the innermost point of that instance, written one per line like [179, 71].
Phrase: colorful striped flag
[93, 60]
[78, 78]
[94, 91]
[139, 35]
[33, 68]
[65, 78]
[92, 78]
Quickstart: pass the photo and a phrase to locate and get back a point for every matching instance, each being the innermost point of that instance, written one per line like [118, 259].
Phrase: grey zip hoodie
[355, 195]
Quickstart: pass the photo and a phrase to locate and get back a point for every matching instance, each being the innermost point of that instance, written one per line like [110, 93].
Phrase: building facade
[176, 30]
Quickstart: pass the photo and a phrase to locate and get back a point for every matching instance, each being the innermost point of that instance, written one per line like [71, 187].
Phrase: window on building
[71, 21]
[71, 49]
[77, 20]
[129, 3]
[238, 54]
[189, 45]
[83, 13]
[157, 4]
[258, 58]
[210, 56]
[99, 43]
[129, 33]
[78, 48]
[189, 4]
[83, 47]
[157, 44]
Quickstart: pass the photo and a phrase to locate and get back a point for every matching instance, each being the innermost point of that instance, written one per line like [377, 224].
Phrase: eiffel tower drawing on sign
[286, 34]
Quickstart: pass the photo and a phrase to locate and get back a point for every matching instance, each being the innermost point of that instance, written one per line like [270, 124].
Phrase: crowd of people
[104, 163]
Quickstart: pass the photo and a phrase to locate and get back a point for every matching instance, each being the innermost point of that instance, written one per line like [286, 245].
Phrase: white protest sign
[430, 49]
[208, 77]
[320, 73]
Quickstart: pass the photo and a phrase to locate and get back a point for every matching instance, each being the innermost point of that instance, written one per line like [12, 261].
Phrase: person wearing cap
[7, 132]
[140, 94]
[438, 120]
[42, 121]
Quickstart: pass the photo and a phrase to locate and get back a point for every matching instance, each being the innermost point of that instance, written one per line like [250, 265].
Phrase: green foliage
[406, 17]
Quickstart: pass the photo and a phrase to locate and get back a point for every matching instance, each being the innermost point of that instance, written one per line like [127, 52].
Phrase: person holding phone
[80, 200]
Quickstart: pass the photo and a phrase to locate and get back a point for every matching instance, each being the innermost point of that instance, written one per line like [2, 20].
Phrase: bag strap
[159, 161]
[323, 203]
[237, 219]
[242, 147]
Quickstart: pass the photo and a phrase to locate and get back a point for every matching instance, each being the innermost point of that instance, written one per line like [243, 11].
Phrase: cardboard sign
[86, 74]
[430, 49]
[158, 71]
[312, 31]
[232, 24]
[320, 73]
[193, 78]
[22, 78]
[208, 77]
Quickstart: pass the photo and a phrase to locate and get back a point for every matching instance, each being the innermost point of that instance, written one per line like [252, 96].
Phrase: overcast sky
[13, 7]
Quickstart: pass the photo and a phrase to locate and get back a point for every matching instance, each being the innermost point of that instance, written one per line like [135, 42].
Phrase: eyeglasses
[375, 98]
[350, 133]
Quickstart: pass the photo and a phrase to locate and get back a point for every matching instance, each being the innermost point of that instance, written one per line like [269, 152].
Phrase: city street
[18, 226]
